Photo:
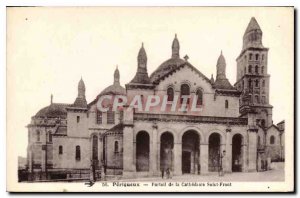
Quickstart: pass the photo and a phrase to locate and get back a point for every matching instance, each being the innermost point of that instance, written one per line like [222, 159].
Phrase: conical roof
[141, 76]
[253, 25]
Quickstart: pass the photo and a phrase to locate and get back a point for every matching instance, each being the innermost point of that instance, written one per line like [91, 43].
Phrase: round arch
[237, 152]
[172, 131]
[222, 134]
[191, 128]
[238, 133]
[142, 151]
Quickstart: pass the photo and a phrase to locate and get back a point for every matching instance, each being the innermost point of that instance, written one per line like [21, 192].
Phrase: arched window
[249, 83]
[272, 139]
[263, 83]
[263, 123]
[199, 94]
[250, 56]
[262, 69]
[110, 117]
[226, 104]
[256, 99]
[263, 57]
[250, 97]
[256, 83]
[250, 69]
[78, 119]
[38, 136]
[258, 140]
[77, 153]
[184, 91]
[256, 56]
[263, 99]
[99, 117]
[60, 150]
[170, 93]
[256, 69]
[116, 146]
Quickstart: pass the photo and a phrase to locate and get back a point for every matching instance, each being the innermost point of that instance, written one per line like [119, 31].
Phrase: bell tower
[252, 77]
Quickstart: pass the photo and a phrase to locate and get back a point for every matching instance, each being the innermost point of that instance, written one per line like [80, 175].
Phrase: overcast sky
[49, 49]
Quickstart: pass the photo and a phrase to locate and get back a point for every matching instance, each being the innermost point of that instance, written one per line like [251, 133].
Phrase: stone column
[203, 159]
[224, 158]
[177, 153]
[228, 148]
[245, 157]
[252, 149]
[153, 152]
[128, 162]
[158, 155]
[100, 150]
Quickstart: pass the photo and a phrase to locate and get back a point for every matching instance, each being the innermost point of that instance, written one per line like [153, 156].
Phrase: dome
[169, 64]
[114, 89]
[166, 67]
[54, 110]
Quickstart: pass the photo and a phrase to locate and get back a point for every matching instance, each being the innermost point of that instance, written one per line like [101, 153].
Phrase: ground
[271, 175]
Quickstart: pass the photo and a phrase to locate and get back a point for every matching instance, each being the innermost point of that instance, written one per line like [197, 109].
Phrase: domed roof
[114, 89]
[169, 64]
[54, 110]
[166, 67]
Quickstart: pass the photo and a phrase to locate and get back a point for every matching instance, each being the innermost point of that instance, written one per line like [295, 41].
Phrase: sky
[50, 48]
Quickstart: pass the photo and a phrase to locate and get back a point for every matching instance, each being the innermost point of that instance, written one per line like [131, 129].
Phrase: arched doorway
[166, 151]
[190, 152]
[214, 152]
[237, 154]
[142, 151]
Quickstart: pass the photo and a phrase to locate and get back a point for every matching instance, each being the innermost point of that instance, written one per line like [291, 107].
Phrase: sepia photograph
[150, 99]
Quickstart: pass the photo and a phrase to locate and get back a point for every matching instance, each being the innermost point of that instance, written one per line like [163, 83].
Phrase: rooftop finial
[212, 80]
[117, 76]
[142, 57]
[175, 48]
[81, 88]
[186, 57]
[51, 98]
[221, 67]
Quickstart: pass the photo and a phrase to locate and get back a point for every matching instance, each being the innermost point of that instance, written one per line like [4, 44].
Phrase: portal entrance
[190, 152]
[166, 151]
[214, 152]
[142, 151]
[237, 155]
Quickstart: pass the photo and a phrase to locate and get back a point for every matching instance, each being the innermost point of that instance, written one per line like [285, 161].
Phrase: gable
[186, 73]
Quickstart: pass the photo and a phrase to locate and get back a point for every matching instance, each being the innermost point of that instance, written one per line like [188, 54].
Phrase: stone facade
[233, 130]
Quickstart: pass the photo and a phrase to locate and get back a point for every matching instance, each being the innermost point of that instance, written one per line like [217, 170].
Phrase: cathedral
[233, 132]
